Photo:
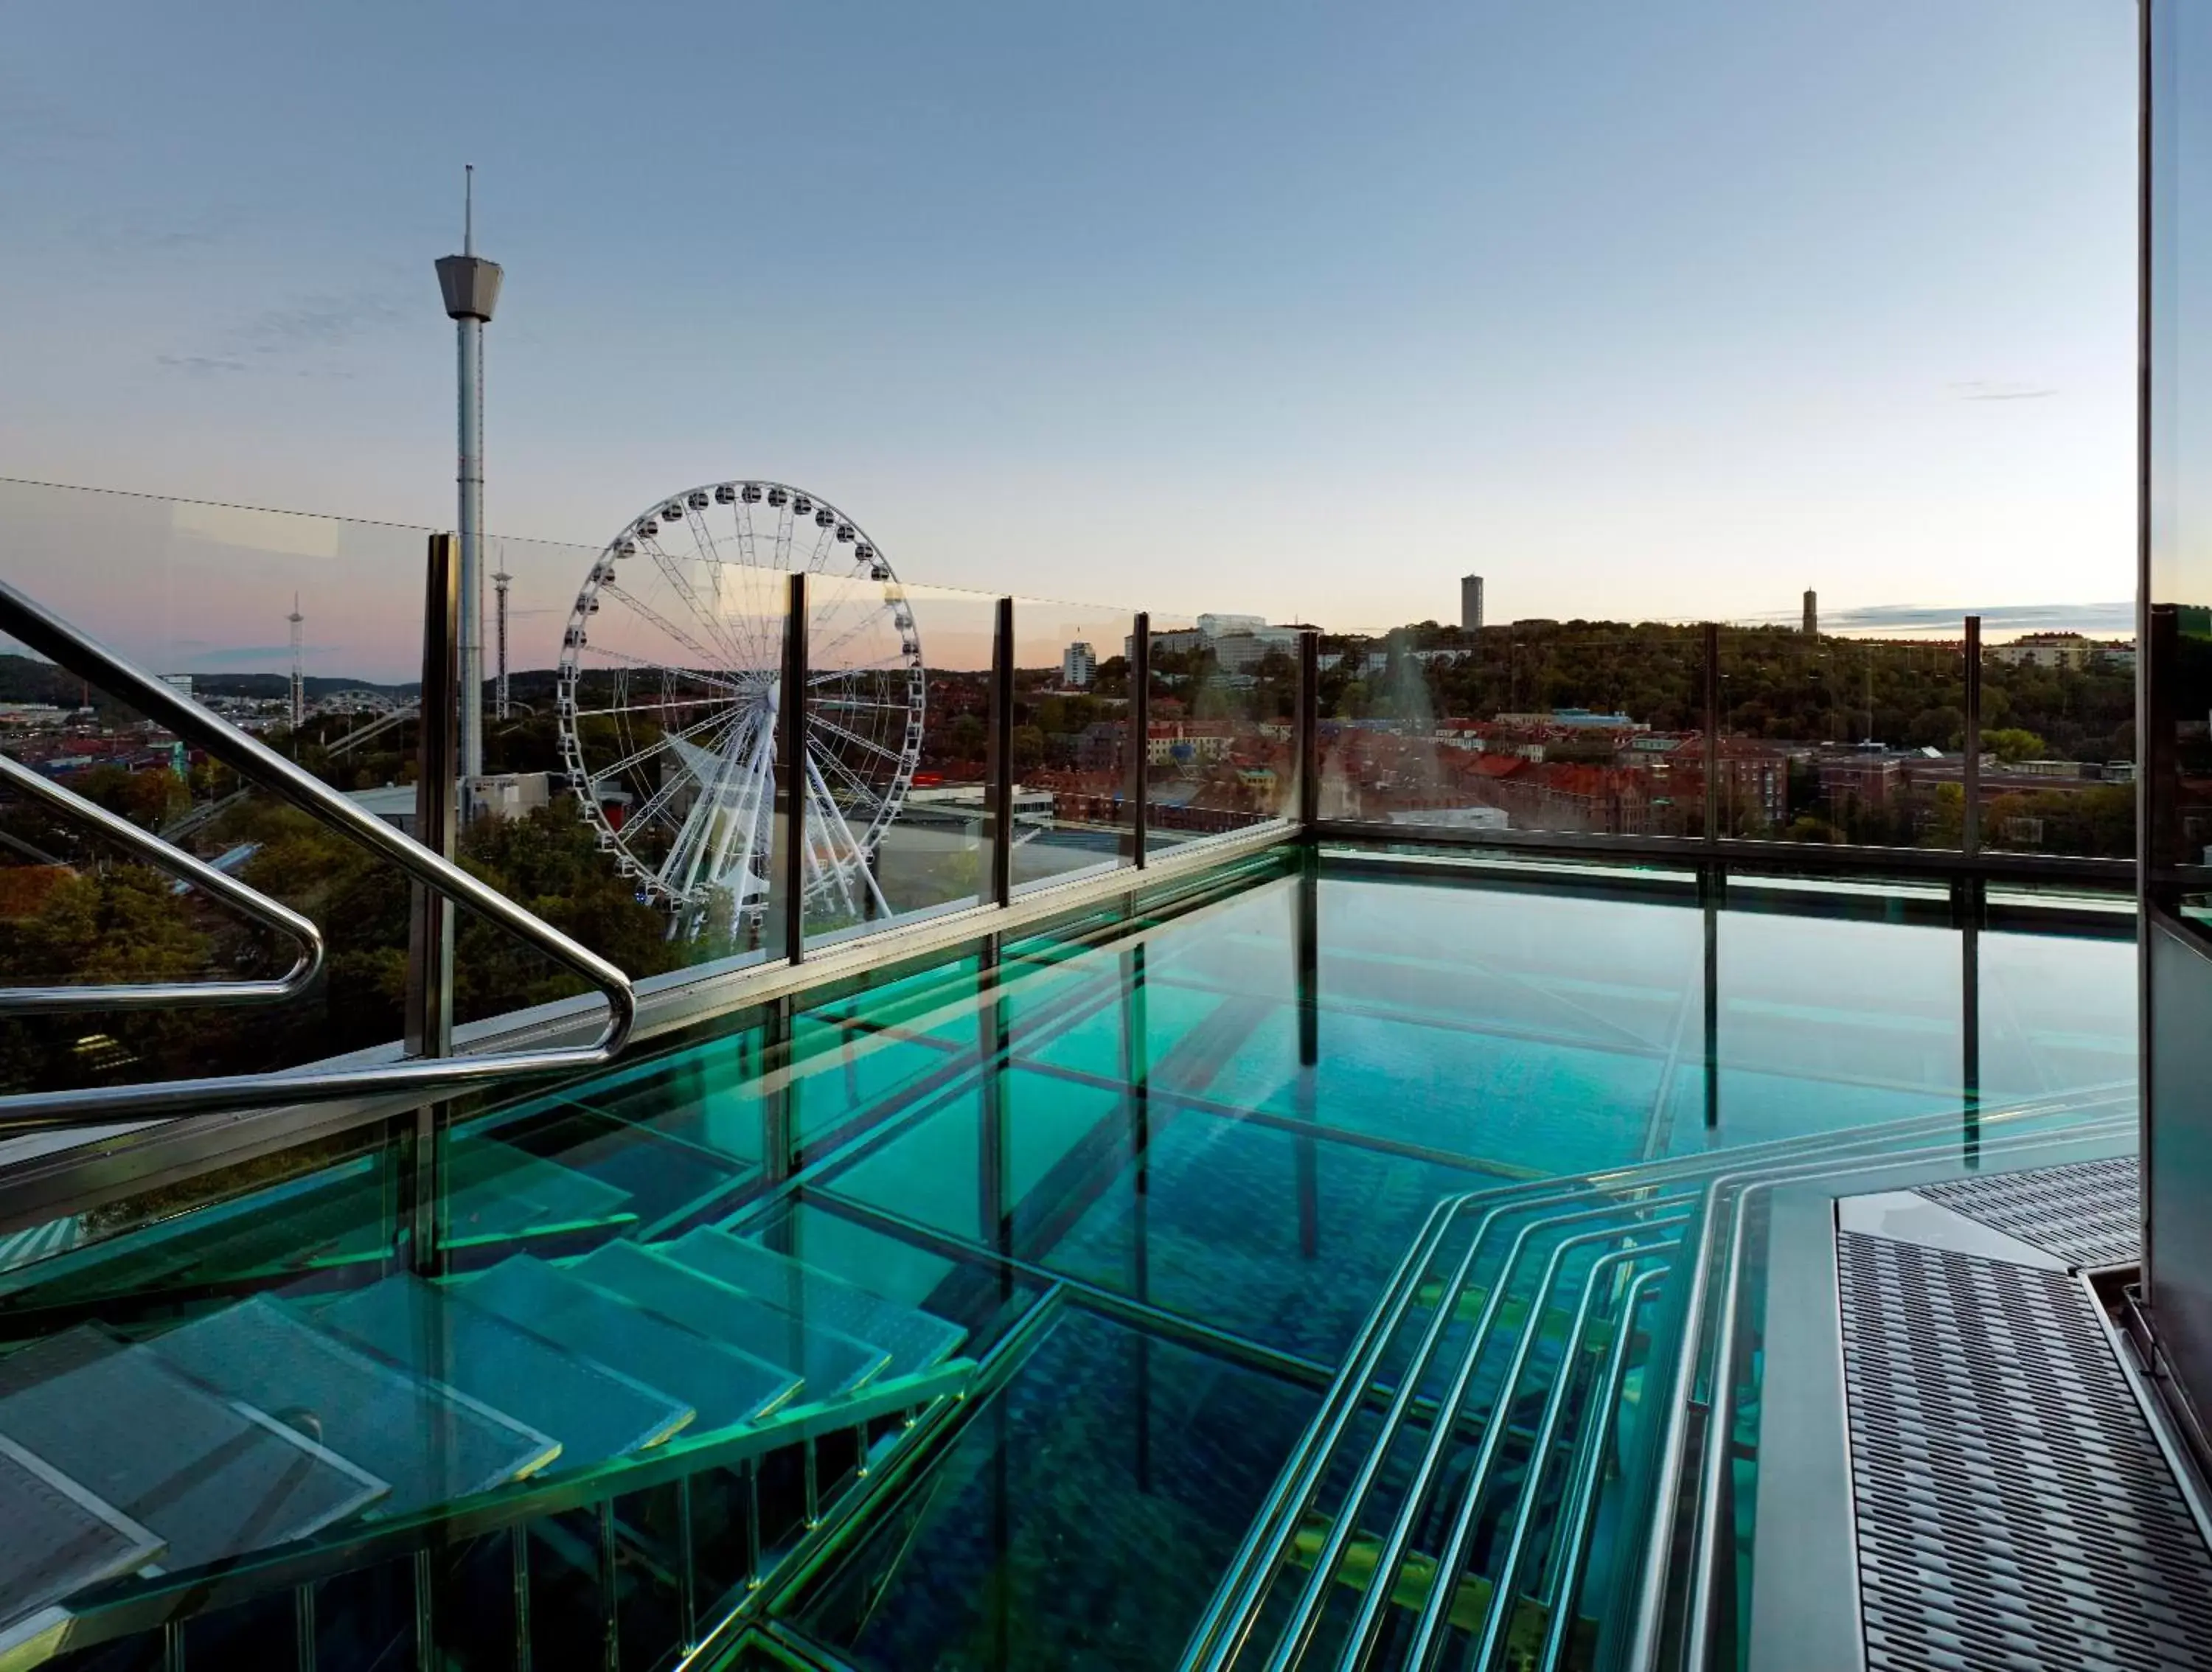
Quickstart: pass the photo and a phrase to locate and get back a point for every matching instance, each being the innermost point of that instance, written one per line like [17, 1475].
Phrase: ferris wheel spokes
[729, 781]
[668, 700]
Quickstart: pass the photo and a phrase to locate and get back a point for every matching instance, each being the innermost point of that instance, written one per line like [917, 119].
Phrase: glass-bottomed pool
[1127, 1184]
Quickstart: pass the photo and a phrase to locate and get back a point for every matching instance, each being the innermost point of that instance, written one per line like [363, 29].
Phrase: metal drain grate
[2087, 1212]
[2014, 1511]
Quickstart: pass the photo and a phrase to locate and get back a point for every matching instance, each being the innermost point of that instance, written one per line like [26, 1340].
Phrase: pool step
[914, 1340]
[265, 1421]
[57, 1538]
[431, 1442]
[210, 1477]
[594, 1412]
[338, 1217]
[829, 1363]
[1416, 1576]
[723, 1385]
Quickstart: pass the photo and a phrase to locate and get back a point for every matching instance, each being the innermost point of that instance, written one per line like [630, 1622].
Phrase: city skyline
[1042, 348]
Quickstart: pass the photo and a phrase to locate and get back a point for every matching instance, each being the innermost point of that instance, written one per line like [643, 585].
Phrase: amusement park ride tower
[471, 285]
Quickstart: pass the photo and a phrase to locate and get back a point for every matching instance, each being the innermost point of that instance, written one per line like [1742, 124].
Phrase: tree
[146, 797]
[2013, 743]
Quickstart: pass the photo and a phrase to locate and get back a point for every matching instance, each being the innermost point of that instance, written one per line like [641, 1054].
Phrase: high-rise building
[1812, 612]
[1077, 664]
[1470, 603]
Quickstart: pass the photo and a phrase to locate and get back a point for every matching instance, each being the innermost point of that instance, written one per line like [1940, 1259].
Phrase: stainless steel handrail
[1229, 1617]
[1246, 1570]
[151, 995]
[44, 631]
[1570, 1541]
[1498, 1615]
[1382, 1582]
[1220, 1633]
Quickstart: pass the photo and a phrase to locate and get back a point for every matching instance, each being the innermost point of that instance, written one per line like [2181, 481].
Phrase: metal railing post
[429, 1019]
[789, 872]
[1712, 729]
[1970, 778]
[1306, 731]
[1139, 737]
[999, 882]
[437, 755]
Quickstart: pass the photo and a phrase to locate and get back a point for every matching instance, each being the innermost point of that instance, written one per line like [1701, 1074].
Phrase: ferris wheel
[670, 681]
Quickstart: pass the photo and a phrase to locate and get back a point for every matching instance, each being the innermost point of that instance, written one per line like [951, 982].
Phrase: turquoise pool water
[1234, 1121]
[1156, 1167]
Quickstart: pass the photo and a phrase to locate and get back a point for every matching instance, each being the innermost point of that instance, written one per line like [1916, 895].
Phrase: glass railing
[2058, 740]
[631, 758]
[1590, 728]
[1544, 728]
[213, 598]
[1839, 741]
[899, 681]
[633, 743]
[1073, 816]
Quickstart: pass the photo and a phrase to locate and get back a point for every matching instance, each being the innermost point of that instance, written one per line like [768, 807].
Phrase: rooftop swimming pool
[964, 1315]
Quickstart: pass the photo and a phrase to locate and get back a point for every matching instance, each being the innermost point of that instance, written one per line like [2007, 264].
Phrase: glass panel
[178, 588]
[1220, 748]
[1840, 740]
[1540, 726]
[900, 679]
[2176, 749]
[1070, 738]
[2058, 730]
[602, 688]
[643, 677]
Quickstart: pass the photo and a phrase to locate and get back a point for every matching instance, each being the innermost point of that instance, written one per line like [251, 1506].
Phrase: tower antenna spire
[468, 209]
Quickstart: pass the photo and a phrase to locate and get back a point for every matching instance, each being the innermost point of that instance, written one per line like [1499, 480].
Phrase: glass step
[56, 1538]
[328, 1217]
[831, 1363]
[595, 1413]
[495, 1190]
[324, 1219]
[429, 1442]
[211, 1479]
[723, 1384]
[914, 1340]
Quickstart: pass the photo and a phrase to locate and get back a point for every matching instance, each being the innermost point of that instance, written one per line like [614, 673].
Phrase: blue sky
[1637, 310]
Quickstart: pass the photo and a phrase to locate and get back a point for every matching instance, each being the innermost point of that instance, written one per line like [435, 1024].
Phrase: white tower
[499, 630]
[299, 668]
[471, 287]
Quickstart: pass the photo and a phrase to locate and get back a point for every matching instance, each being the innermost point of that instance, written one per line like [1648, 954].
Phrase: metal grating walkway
[2014, 1511]
[2087, 1212]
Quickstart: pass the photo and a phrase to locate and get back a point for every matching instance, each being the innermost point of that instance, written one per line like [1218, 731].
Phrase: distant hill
[30, 679]
[268, 686]
[27, 679]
